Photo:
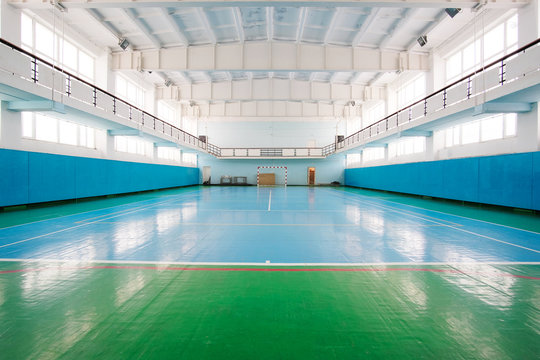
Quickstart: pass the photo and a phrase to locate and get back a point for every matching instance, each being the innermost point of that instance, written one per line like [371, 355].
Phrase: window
[166, 113]
[133, 145]
[47, 128]
[168, 153]
[492, 128]
[500, 40]
[372, 154]
[354, 124]
[130, 91]
[38, 38]
[190, 125]
[374, 113]
[189, 159]
[407, 146]
[353, 160]
[411, 91]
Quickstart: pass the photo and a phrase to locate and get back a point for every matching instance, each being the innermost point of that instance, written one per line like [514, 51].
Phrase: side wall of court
[31, 177]
[508, 180]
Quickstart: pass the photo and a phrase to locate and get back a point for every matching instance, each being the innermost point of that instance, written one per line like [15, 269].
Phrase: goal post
[280, 178]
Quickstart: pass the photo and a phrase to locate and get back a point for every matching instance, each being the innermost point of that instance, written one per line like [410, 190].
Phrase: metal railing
[509, 68]
[277, 152]
[493, 75]
[62, 83]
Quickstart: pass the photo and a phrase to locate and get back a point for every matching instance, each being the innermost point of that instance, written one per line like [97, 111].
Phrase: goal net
[271, 175]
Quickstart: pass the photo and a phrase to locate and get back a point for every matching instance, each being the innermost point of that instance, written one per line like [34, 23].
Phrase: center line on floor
[269, 200]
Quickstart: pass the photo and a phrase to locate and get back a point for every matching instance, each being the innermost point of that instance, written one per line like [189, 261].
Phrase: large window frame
[42, 40]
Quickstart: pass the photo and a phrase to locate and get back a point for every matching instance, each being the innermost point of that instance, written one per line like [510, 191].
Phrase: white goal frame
[271, 167]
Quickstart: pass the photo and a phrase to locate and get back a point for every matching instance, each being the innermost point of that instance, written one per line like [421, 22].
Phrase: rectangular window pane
[491, 128]
[494, 42]
[457, 137]
[82, 135]
[86, 65]
[131, 145]
[471, 59]
[27, 121]
[44, 41]
[68, 132]
[510, 125]
[449, 137]
[70, 56]
[26, 30]
[470, 133]
[353, 160]
[512, 31]
[90, 138]
[371, 154]
[46, 128]
[453, 66]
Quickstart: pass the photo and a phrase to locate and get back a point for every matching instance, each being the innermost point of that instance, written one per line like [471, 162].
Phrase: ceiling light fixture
[452, 11]
[422, 40]
[58, 5]
[123, 43]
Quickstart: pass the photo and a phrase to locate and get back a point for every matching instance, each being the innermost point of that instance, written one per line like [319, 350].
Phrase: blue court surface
[268, 225]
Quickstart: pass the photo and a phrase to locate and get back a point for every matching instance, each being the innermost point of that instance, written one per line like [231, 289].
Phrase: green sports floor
[271, 273]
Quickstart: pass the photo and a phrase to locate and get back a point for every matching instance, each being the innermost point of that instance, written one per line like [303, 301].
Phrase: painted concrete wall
[326, 170]
[264, 132]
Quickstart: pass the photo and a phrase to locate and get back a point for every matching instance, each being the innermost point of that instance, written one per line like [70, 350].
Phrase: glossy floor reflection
[82, 311]
[112, 279]
[294, 225]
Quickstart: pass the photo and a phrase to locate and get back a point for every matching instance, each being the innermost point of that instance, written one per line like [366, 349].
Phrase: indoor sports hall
[269, 179]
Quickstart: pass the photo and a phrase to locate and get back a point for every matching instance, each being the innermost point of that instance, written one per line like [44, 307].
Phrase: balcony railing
[285, 152]
[32, 68]
[509, 68]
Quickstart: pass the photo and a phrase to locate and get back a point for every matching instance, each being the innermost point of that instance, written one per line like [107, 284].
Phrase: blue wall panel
[506, 180]
[29, 177]
[460, 179]
[509, 180]
[13, 177]
[536, 181]
[50, 177]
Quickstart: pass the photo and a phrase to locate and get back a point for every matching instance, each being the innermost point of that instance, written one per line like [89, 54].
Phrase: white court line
[450, 226]
[87, 223]
[269, 200]
[89, 211]
[225, 263]
[450, 214]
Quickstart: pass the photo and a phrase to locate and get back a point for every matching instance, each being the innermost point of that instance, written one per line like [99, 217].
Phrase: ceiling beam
[331, 27]
[365, 26]
[407, 16]
[271, 56]
[238, 22]
[270, 23]
[442, 15]
[272, 89]
[301, 23]
[174, 26]
[441, 4]
[107, 25]
[206, 25]
[143, 28]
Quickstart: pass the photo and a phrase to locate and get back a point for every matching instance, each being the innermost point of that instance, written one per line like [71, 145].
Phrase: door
[206, 175]
[311, 176]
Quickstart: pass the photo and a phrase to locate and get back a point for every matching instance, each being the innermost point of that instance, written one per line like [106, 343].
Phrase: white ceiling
[148, 25]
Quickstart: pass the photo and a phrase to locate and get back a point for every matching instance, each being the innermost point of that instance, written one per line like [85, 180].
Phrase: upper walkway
[509, 84]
